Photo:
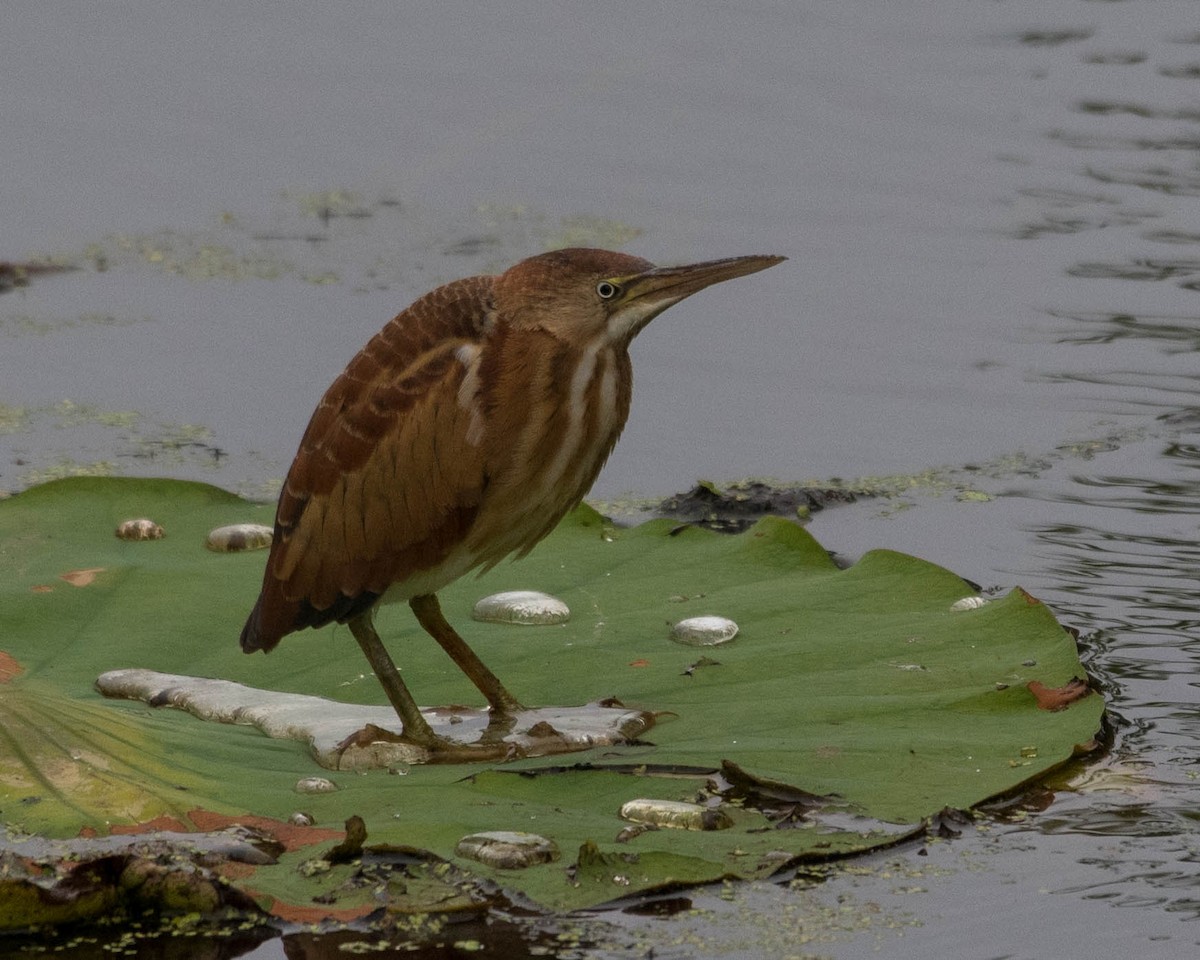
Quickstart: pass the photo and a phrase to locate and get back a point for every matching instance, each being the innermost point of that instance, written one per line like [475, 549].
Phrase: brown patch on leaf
[42, 588]
[292, 836]
[1058, 698]
[235, 869]
[81, 578]
[1029, 598]
[10, 667]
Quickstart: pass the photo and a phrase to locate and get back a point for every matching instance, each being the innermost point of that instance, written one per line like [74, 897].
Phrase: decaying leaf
[351, 847]
[949, 823]
[1058, 698]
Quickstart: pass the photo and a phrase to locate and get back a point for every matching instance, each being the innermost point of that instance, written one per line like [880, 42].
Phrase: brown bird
[460, 434]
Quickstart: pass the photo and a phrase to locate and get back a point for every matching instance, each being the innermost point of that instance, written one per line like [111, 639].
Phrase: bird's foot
[429, 749]
[368, 735]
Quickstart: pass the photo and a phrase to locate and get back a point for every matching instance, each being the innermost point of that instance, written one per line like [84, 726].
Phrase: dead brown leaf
[1058, 698]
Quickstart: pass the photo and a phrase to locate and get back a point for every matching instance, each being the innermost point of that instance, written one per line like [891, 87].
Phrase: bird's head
[578, 294]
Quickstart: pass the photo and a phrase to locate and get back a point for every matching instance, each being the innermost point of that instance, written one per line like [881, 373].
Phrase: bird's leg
[416, 728]
[429, 615]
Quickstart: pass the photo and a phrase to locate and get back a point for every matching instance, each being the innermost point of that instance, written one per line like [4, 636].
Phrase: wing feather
[386, 480]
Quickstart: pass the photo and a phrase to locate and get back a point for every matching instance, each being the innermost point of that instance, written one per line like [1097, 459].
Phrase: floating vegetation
[90, 437]
[71, 414]
[327, 204]
[193, 256]
[27, 324]
[505, 223]
[739, 505]
[584, 230]
[13, 419]
[66, 467]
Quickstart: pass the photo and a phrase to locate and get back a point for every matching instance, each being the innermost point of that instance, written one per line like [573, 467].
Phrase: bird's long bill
[649, 294]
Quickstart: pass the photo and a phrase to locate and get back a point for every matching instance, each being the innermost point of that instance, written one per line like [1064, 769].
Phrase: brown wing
[387, 479]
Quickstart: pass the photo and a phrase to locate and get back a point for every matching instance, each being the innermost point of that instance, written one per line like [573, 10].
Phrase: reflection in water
[1154, 177]
[1139, 270]
[1068, 212]
[1106, 108]
[1177, 334]
[1046, 38]
[1133, 388]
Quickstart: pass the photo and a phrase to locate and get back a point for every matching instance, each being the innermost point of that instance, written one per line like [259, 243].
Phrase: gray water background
[992, 211]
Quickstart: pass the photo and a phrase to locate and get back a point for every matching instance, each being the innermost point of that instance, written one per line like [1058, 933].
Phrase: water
[991, 211]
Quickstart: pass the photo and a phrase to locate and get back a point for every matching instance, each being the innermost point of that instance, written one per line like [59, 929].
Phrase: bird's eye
[607, 290]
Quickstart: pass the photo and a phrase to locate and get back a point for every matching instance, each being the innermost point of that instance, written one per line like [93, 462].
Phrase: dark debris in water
[350, 848]
[949, 823]
[13, 275]
[738, 506]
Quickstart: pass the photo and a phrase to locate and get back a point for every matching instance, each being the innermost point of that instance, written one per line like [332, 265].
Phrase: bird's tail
[253, 636]
[274, 617]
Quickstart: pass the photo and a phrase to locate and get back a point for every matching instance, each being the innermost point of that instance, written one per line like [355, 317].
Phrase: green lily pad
[851, 705]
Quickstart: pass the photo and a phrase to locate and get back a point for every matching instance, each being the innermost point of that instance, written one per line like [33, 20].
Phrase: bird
[461, 434]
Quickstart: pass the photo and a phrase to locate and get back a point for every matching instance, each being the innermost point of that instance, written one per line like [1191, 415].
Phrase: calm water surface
[993, 215]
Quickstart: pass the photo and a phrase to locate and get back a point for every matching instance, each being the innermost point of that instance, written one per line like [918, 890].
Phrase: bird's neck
[560, 403]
